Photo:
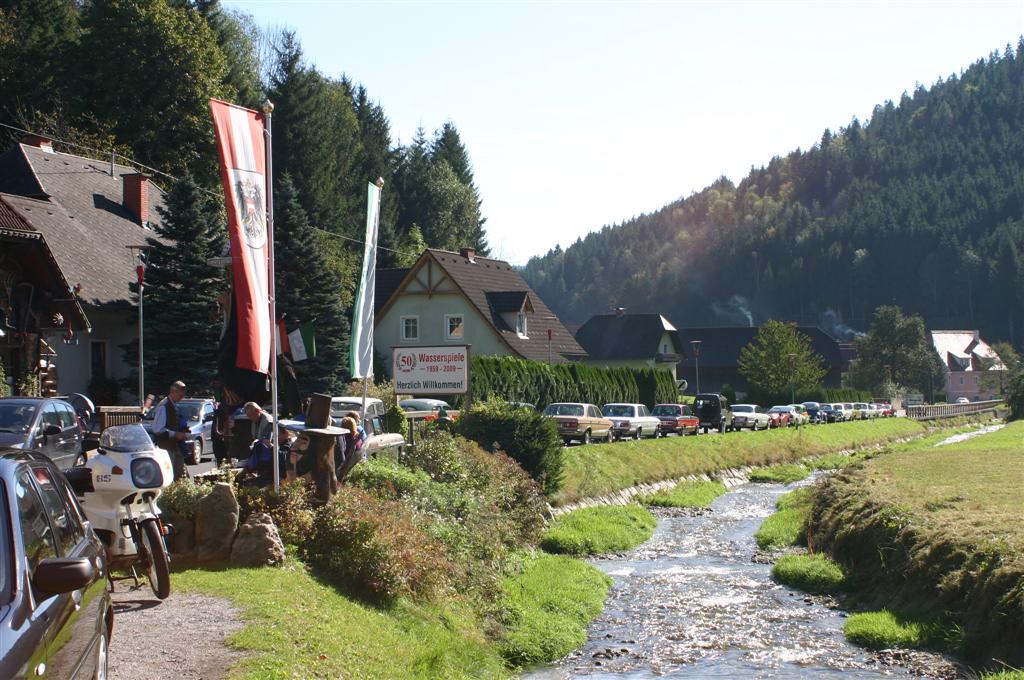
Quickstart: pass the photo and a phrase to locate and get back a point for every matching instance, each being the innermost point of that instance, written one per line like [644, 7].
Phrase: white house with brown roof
[967, 360]
[86, 212]
[449, 298]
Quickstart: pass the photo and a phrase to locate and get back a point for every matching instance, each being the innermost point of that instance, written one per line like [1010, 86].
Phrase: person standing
[166, 428]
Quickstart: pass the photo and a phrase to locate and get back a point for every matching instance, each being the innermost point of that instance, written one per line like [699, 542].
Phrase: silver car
[749, 415]
[378, 440]
[632, 420]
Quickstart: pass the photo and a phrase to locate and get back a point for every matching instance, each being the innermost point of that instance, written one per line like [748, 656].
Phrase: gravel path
[181, 637]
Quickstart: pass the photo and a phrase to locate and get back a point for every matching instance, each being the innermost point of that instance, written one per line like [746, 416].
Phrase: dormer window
[521, 324]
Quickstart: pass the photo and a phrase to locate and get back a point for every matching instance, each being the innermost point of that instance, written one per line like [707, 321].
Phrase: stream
[692, 603]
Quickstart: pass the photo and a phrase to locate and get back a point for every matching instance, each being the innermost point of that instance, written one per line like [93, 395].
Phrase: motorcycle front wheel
[159, 564]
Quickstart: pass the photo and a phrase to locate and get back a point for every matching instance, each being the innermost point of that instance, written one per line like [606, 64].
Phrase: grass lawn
[601, 529]
[811, 573]
[548, 605]
[786, 473]
[686, 495]
[972, 490]
[598, 469]
[885, 629]
[299, 627]
[785, 527]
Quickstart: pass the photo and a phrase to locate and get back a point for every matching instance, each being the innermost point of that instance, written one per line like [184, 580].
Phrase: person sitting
[259, 468]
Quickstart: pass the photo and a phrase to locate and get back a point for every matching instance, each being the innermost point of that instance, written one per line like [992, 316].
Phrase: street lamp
[792, 381]
[140, 276]
[695, 344]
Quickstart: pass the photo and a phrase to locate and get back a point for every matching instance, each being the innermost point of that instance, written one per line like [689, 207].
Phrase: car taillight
[680, 422]
[572, 423]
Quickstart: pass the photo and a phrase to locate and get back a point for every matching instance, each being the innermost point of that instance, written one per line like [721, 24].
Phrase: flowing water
[692, 603]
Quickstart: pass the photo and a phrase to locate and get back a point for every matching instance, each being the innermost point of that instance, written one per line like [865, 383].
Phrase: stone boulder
[183, 538]
[258, 544]
[216, 523]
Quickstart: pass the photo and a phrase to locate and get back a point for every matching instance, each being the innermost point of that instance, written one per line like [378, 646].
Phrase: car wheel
[610, 438]
[586, 438]
[567, 441]
[102, 654]
[197, 452]
[638, 434]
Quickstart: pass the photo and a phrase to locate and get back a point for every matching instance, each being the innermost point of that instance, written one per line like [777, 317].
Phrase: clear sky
[581, 114]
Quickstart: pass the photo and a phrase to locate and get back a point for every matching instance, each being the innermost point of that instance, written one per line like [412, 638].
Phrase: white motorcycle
[118, 487]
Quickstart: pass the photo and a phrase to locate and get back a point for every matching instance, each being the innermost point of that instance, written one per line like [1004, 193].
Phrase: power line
[169, 176]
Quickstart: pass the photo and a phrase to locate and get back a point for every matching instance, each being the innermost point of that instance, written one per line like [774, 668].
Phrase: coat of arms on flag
[251, 208]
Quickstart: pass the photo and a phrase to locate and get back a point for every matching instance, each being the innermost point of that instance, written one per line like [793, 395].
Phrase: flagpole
[268, 110]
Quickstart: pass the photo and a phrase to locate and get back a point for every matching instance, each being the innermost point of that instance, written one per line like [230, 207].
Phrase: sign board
[914, 399]
[431, 370]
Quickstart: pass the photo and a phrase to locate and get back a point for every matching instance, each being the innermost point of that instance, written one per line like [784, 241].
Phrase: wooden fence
[935, 411]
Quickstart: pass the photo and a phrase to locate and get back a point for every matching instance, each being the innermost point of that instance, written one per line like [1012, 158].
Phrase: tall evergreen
[308, 292]
[448, 147]
[182, 327]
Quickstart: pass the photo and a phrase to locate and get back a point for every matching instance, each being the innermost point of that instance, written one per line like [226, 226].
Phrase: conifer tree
[181, 290]
[307, 292]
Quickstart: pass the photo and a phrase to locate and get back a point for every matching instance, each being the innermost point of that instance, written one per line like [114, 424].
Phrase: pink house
[966, 358]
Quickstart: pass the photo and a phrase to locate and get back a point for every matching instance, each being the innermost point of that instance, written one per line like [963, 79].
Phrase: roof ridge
[130, 168]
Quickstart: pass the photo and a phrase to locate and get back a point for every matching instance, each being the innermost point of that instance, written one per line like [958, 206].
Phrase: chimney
[468, 253]
[38, 141]
[136, 196]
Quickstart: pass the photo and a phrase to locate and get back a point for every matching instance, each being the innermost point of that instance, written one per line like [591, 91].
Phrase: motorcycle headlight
[146, 473]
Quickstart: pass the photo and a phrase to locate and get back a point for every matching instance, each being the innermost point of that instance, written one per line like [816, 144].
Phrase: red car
[676, 418]
[780, 416]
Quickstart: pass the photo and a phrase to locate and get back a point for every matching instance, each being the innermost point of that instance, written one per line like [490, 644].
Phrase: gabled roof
[76, 205]
[720, 346]
[475, 279]
[626, 336]
[965, 351]
[33, 256]
[387, 282]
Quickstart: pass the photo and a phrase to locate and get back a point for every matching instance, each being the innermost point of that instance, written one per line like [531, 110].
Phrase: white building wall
[112, 329]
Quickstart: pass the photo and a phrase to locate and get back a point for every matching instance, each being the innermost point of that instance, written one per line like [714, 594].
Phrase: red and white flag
[242, 151]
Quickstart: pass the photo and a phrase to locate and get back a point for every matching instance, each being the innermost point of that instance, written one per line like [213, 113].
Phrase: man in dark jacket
[167, 430]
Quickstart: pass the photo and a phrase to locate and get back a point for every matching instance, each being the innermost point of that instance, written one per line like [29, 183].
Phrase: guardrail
[935, 411]
[423, 416]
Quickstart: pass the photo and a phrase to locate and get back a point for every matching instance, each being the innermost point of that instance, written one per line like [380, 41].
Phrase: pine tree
[181, 325]
[448, 147]
[307, 292]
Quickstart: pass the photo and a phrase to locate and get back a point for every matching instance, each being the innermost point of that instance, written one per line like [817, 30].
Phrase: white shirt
[160, 420]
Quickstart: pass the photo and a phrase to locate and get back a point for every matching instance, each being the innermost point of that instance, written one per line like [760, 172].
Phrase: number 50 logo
[406, 362]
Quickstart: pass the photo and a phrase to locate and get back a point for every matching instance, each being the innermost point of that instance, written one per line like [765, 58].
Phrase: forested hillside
[922, 206]
[134, 76]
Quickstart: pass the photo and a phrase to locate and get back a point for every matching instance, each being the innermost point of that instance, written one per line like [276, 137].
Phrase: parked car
[677, 418]
[55, 610]
[631, 420]
[963, 400]
[749, 415]
[829, 414]
[800, 416]
[434, 405]
[580, 422]
[713, 412]
[812, 409]
[197, 412]
[861, 410]
[781, 416]
[888, 410]
[378, 440]
[851, 412]
[842, 412]
[48, 426]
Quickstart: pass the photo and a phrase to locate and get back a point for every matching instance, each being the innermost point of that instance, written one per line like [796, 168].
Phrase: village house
[450, 298]
[81, 215]
[972, 368]
[631, 341]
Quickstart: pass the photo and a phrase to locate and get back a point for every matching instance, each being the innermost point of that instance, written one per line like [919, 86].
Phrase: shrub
[525, 435]
[436, 454]
[182, 497]
[1015, 397]
[786, 526]
[601, 529]
[811, 573]
[289, 507]
[373, 548]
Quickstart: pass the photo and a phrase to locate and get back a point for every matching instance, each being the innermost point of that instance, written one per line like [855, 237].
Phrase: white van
[379, 441]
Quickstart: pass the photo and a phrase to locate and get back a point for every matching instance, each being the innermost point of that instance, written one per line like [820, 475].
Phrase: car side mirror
[51, 430]
[58, 575]
[90, 444]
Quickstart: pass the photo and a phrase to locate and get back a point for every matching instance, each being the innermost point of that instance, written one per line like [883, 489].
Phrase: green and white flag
[302, 342]
[361, 352]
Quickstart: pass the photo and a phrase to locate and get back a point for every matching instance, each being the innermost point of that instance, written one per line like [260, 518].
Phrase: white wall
[74, 362]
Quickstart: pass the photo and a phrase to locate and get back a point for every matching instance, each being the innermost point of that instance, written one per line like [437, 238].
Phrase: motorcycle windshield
[126, 439]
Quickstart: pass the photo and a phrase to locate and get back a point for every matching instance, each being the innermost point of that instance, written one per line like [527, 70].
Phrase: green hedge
[826, 395]
[507, 378]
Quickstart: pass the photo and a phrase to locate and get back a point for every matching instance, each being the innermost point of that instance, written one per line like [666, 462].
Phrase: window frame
[522, 324]
[401, 327]
[447, 328]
